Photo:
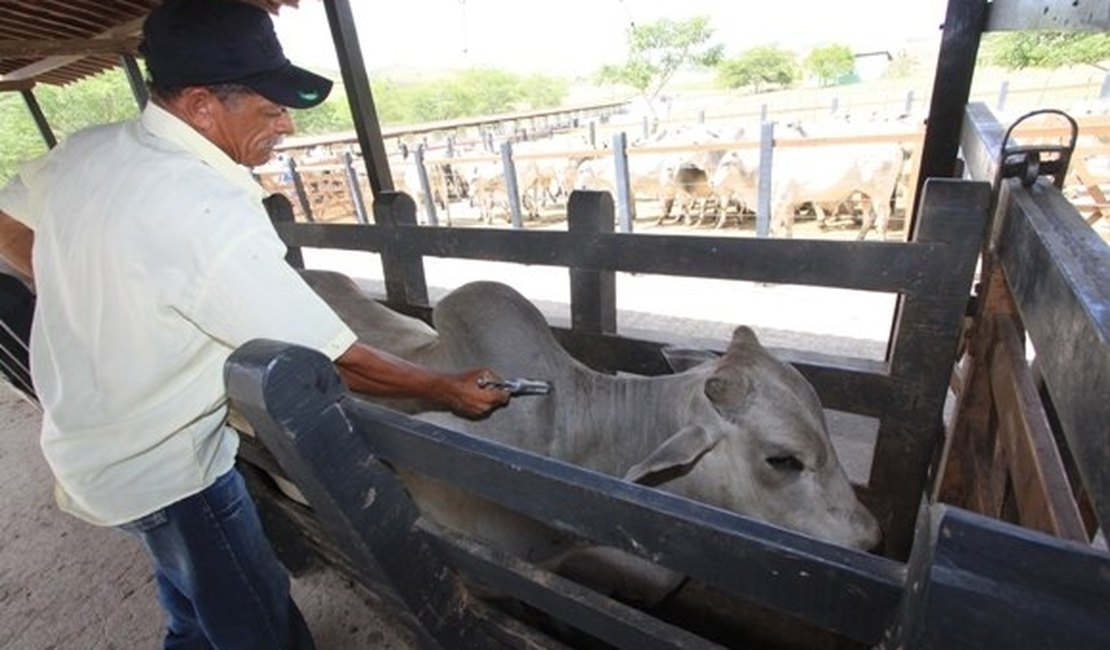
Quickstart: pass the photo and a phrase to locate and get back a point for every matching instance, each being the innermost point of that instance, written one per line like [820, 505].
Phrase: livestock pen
[988, 523]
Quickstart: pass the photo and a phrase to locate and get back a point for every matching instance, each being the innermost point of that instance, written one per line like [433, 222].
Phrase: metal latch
[519, 386]
[1029, 162]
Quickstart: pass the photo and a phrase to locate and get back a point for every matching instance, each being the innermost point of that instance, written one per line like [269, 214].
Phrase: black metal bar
[298, 187]
[979, 584]
[963, 26]
[135, 80]
[844, 384]
[905, 267]
[953, 214]
[593, 294]
[618, 625]
[512, 187]
[40, 119]
[354, 189]
[426, 189]
[357, 85]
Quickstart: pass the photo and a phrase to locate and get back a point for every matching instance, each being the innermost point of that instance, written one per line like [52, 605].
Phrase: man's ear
[197, 106]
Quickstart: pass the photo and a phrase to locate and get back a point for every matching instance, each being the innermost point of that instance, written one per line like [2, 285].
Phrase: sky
[577, 36]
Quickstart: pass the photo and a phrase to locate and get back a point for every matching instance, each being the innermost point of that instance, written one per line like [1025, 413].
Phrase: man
[153, 260]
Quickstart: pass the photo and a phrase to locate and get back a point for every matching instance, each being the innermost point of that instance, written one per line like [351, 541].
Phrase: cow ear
[673, 458]
[727, 391]
[682, 359]
[743, 337]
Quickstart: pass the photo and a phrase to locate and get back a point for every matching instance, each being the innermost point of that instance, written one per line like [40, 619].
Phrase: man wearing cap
[153, 260]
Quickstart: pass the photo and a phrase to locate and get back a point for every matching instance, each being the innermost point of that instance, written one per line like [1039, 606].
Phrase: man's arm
[375, 372]
[16, 241]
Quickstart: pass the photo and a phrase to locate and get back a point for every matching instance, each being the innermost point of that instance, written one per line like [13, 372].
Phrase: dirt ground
[67, 585]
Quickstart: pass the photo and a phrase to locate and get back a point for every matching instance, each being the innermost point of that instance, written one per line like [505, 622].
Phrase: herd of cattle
[693, 181]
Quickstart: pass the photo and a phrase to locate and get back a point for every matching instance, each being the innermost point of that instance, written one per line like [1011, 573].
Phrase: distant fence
[336, 188]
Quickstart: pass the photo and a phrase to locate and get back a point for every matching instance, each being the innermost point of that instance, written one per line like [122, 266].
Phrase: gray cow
[743, 432]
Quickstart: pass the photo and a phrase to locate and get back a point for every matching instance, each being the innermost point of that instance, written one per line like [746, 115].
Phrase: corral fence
[962, 581]
[335, 188]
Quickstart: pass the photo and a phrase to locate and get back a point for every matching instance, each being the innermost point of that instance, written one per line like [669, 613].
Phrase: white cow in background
[408, 181]
[673, 177]
[823, 176]
[744, 431]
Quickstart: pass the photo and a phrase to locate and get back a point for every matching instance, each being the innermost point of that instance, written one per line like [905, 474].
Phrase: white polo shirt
[154, 259]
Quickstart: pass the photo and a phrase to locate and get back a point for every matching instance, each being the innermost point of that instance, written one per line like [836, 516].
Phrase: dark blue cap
[207, 42]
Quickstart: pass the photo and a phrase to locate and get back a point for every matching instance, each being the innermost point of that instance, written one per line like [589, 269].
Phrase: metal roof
[59, 42]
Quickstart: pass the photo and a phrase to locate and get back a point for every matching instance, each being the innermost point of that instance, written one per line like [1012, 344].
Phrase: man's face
[247, 127]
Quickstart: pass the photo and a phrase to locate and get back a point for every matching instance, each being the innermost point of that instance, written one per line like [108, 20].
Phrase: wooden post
[298, 187]
[762, 113]
[593, 133]
[425, 186]
[909, 102]
[593, 302]
[766, 160]
[512, 187]
[353, 188]
[404, 271]
[620, 178]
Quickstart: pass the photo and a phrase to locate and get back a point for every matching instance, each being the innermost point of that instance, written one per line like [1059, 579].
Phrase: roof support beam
[72, 47]
[43, 66]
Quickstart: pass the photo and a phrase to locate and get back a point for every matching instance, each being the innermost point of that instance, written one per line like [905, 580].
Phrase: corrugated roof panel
[54, 20]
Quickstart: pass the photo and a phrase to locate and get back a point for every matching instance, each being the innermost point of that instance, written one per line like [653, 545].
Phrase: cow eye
[785, 463]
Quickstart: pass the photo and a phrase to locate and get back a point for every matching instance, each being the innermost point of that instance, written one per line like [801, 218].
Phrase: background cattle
[825, 177]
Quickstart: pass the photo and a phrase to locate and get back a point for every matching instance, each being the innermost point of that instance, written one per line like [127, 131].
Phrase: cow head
[757, 444]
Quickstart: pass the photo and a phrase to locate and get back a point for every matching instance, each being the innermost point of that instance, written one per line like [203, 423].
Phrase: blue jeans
[218, 579]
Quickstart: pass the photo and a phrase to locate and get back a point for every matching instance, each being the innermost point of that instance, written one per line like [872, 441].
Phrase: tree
[831, 63]
[1016, 50]
[657, 50]
[477, 91]
[759, 66]
[902, 66]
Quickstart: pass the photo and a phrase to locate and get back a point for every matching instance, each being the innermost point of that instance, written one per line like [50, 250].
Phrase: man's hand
[273, 6]
[471, 394]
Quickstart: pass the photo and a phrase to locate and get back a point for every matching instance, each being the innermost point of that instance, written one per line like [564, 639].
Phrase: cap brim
[292, 86]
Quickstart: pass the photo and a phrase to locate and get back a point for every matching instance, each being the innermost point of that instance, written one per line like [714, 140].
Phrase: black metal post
[963, 27]
[135, 79]
[40, 119]
[357, 84]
